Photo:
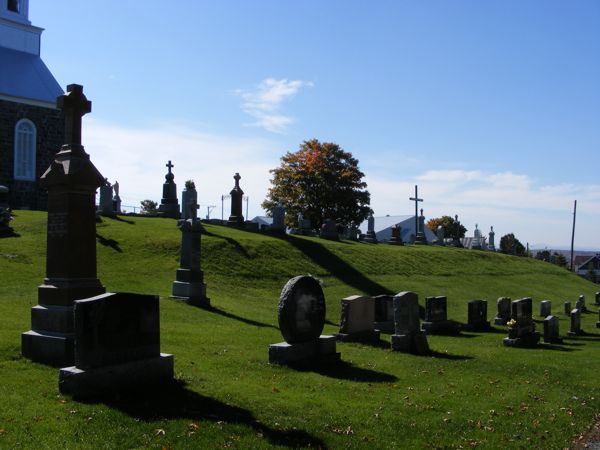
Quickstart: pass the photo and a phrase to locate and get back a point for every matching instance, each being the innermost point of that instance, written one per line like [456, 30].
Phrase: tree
[511, 245]
[148, 206]
[544, 255]
[320, 181]
[449, 225]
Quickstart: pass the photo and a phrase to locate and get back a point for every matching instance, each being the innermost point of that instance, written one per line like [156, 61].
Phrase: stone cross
[74, 106]
[416, 199]
[169, 166]
[237, 178]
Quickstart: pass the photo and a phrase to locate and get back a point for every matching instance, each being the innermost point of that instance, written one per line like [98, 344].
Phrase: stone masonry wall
[49, 124]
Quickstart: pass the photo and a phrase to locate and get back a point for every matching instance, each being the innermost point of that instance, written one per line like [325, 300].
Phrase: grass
[473, 392]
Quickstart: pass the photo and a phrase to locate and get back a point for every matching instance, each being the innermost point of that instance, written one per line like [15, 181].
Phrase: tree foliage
[320, 181]
[449, 225]
[511, 245]
[148, 206]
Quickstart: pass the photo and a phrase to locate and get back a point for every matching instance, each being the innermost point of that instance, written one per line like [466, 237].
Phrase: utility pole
[573, 233]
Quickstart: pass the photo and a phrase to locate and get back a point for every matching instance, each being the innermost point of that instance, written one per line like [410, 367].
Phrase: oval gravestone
[301, 310]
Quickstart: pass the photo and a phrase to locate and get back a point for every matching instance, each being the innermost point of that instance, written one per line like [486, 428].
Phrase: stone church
[31, 128]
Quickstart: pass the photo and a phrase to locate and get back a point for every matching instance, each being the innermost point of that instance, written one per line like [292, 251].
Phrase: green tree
[449, 225]
[559, 259]
[511, 245]
[320, 181]
[543, 255]
[148, 206]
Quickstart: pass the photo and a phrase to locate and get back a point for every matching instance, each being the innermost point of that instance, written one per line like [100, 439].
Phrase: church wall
[49, 126]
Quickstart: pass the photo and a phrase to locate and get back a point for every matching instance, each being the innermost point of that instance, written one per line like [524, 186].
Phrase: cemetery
[465, 390]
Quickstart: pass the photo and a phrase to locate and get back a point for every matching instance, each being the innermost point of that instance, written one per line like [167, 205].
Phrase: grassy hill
[472, 392]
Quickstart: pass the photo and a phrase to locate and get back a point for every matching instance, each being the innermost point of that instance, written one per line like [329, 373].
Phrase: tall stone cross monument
[419, 235]
[71, 181]
[237, 196]
[169, 205]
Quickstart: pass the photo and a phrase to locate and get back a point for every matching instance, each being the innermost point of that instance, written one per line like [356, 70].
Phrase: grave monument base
[361, 336]
[82, 383]
[576, 333]
[440, 327]
[410, 343]
[48, 349]
[526, 340]
[318, 351]
[501, 320]
[385, 327]
[483, 326]
[552, 341]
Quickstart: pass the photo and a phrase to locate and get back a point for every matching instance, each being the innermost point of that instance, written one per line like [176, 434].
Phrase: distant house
[265, 221]
[31, 128]
[383, 228]
[586, 265]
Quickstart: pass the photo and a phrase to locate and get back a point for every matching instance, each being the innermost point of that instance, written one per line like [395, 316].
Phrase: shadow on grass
[444, 355]
[109, 243]
[556, 347]
[239, 248]
[241, 319]
[584, 336]
[343, 370]
[8, 233]
[175, 401]
[336, 266]
[120, 219]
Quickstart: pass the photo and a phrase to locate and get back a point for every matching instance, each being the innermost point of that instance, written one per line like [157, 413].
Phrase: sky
[492, 108]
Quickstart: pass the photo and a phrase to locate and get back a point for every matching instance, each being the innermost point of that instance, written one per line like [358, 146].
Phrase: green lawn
[472, 392]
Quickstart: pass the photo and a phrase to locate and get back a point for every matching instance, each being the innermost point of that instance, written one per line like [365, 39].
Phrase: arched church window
[13, 5]
[25, 143]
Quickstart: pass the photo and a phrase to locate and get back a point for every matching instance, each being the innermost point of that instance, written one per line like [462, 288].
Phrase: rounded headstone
[301, 310]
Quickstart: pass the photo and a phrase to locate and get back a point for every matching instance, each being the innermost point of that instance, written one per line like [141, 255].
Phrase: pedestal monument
[237, 196]
[71, 181]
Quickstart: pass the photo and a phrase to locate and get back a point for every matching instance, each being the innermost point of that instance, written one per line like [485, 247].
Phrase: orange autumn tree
[320, 181]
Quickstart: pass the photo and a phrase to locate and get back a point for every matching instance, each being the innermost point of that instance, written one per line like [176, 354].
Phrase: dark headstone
[236, 217]
[384, 313]
[503, 311]
[106, 199]
[597, 298]
[551, 334]
[598, 322]
[436, 317]
[117, 346]
[371, 236]
[521, 332]
[169, 205]
[545, 308]
[408, 336]
[575, 329]
[189, 203]
[420, 238]
[567, 308]
[189, 283]
[5, 212]
[580, 304]
[116, 200]
[357, 319]
[71, 181]
[301, 320]
[278, 225]
[329, 230]
[477, 315]
[396, 238]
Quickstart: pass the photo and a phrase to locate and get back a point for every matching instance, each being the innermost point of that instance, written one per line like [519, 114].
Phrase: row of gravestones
[301, 315]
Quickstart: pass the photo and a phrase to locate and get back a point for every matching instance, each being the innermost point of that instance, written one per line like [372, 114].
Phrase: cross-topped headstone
[416, 199]
[74, 106]
[169, 166]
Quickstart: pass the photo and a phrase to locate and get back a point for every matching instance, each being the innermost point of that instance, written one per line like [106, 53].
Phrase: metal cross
[416, 199]
[170, 166]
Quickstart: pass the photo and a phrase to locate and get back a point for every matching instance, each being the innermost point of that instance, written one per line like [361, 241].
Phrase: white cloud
[512, 203]
[136, 157]
[264, 102]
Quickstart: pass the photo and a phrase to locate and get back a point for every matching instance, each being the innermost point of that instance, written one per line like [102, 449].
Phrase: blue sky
[492, 108]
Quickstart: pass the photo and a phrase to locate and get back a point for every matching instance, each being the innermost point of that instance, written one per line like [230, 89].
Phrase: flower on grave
[511, 323]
